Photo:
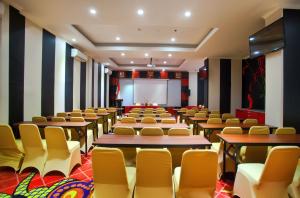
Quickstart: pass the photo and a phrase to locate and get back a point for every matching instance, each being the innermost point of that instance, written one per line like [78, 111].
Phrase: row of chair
[54, 153]
[162, 115]
[147, 120]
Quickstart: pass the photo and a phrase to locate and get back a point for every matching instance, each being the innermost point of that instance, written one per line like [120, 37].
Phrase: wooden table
[208, 128]
[179, 113]
[239, 140]
[142, 114]
[151, 141]
[158, 119]
[78, 126]
[195, 122]
[138, 126]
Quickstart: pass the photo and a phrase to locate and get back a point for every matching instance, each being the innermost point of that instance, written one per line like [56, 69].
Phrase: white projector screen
[150, 91]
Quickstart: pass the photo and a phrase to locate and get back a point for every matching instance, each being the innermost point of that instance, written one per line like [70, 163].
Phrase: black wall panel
[82, 85]
[69, 79]
[225, 85]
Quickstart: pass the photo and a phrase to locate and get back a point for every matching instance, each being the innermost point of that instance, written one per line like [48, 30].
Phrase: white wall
[214, 84]
[32, 70]
[107, 91]
[89, 66]
[193, 86]
[76, 85]
[96, 85]
[274, 89]
[102, 87]
[236, 85]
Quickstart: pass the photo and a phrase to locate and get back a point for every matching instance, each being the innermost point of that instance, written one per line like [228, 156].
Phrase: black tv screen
[269, 39]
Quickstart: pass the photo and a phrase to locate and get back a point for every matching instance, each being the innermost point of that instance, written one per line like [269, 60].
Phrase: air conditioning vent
[78, 55]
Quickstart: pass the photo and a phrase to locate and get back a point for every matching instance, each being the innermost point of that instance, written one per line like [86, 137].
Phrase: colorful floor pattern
[80, 184]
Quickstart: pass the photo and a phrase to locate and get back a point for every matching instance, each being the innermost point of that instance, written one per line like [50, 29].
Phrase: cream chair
[61, 119]
[128, 120]
[11, 150]
[89, 111]
[168, 121]
[250, 121]
[226, 116]
[61, 114]
[255, 154]
[176, 153]
[153, 174]
[135, 111]
[165, 115]
[160, 111]
[90, 115]
[111, 178]
[200, 115]
[129, 153]
[214, 115]
[148, 120]
[76, 110]
[39, 119]
[197, 176]
[214, 121]
[294, 187]
[183, 109]
[214, 112]
[232, 121]
[63, 155]
[101, 111]
[151, 131]
[285, 131]
[269, 180]
[35, 149]
[133, 115]
[76, 114]
[191, 112]
[149, 115]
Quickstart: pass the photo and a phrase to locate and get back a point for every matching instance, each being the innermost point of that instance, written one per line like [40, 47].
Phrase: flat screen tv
[269, 39]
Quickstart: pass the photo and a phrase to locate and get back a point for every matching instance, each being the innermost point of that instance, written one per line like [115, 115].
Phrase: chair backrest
[183, 109]
[259, 130]
[250, 121]
[281, 165]
[58, 119]
[148, 120]
[56, 139]
[76, 114]
[232, 130]
[90, 115]
[149, 115]
[214, 121]
[232, 121]
[225, 116]
[214, 115]
[76, 110]
[191, 112]
[200, 115]
[77, 119]
[89, 111]
[214, 112]
[195, 109]
[152, 131]
[160, 111]
[285, 131]
[124, 131]
[39, 119]
[101, 111]
[135, 111]
[178, 132]
[198, 169]
[154, 168]
[168, 121]
[108, 166]
[165, 115]
[7, 138]
[30, 136]
[61, 114]
[128, 120]
[133, 115]
[148, 112]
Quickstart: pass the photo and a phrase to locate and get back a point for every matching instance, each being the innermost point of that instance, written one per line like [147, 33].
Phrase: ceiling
[215, 28]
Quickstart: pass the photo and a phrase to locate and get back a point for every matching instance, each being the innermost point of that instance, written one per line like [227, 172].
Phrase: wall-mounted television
[269, 39]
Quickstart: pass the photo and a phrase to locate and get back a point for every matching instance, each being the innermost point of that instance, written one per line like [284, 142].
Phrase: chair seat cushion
[150, 192]
[72, 145]
[252, 171]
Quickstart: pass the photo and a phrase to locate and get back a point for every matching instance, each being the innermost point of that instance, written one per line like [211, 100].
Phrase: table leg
[105, 124]
[194, 127]
[197, 128]
[236, 158]
[224, 158]
[85, 140]
[180, 118]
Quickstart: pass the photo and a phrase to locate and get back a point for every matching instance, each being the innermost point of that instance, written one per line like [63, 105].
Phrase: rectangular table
[151, 141]
[142, 114]
[195, 122]
[239, 140]
[158, 119]
[139, 126]
[76, 125]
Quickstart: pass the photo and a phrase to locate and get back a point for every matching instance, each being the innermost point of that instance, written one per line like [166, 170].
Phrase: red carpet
[80, 183]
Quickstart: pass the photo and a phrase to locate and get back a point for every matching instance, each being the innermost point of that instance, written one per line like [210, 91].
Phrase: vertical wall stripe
[225, 85]
[76, 85]
[105, 90]
[48, 73]
[102, 85]
[99, 85]
[96, 85]
[93, 63]
[16, 65]
[236, 85]
[88, 84]
[82, 85]
[214, 84]
[60, 69]
[69, 79]
[33, 71]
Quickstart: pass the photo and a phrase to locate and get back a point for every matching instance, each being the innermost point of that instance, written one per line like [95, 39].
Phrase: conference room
[149, 99]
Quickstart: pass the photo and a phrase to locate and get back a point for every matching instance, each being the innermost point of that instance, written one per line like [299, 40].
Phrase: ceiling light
[106, 63]
[146, 54]
[140, 12]
[187, 14]
[118, 38]
[74, 39]
[93, 11]
[131, 62]
[173, 39]
[251, 39]
[169, 55]
[165, 62]
[122, 54]
[256, 52]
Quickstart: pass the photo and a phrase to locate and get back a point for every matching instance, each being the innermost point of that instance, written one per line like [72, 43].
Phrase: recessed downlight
[187, 14]
[140, 12]
[169, 55]
[165, 62]
[93, 11]
[122, 54]
[146, 54]
[118, 38]
[74, 39]
[131, 62]
[173, 39]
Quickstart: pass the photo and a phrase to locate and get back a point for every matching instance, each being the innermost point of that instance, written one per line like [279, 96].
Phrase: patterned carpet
[80, 183]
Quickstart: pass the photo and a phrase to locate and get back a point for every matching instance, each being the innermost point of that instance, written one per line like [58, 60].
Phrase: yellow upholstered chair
[128, 120]
[76, 110]
[203, 111]
[214, 115]
[160, 108]
[232, 121]
[63, 155]
[168, 121]
[250, 121]
[133, 115]
[90, 115]
[149, 115]
[89, 111]
[226, 116]
[153, 174]
[255, 154]
[61, 114]
[35, 149]
[39, 119]
[176, 153]
[294, 188]
[11, 150]
[195, 109]
[270, 179]
[214, 121]
[200, 115]
[151, 131]
[111, 178]
[183, 109]
[148, 120]
[135, 111]
[76, 114]
[148, 111]
[101, 111]
[214, 112]
[129, 153]
[165, 115]
[79, 135]
[191, 112]
[197, 175]
[285, 131]
[61, 119]
[160, 111]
